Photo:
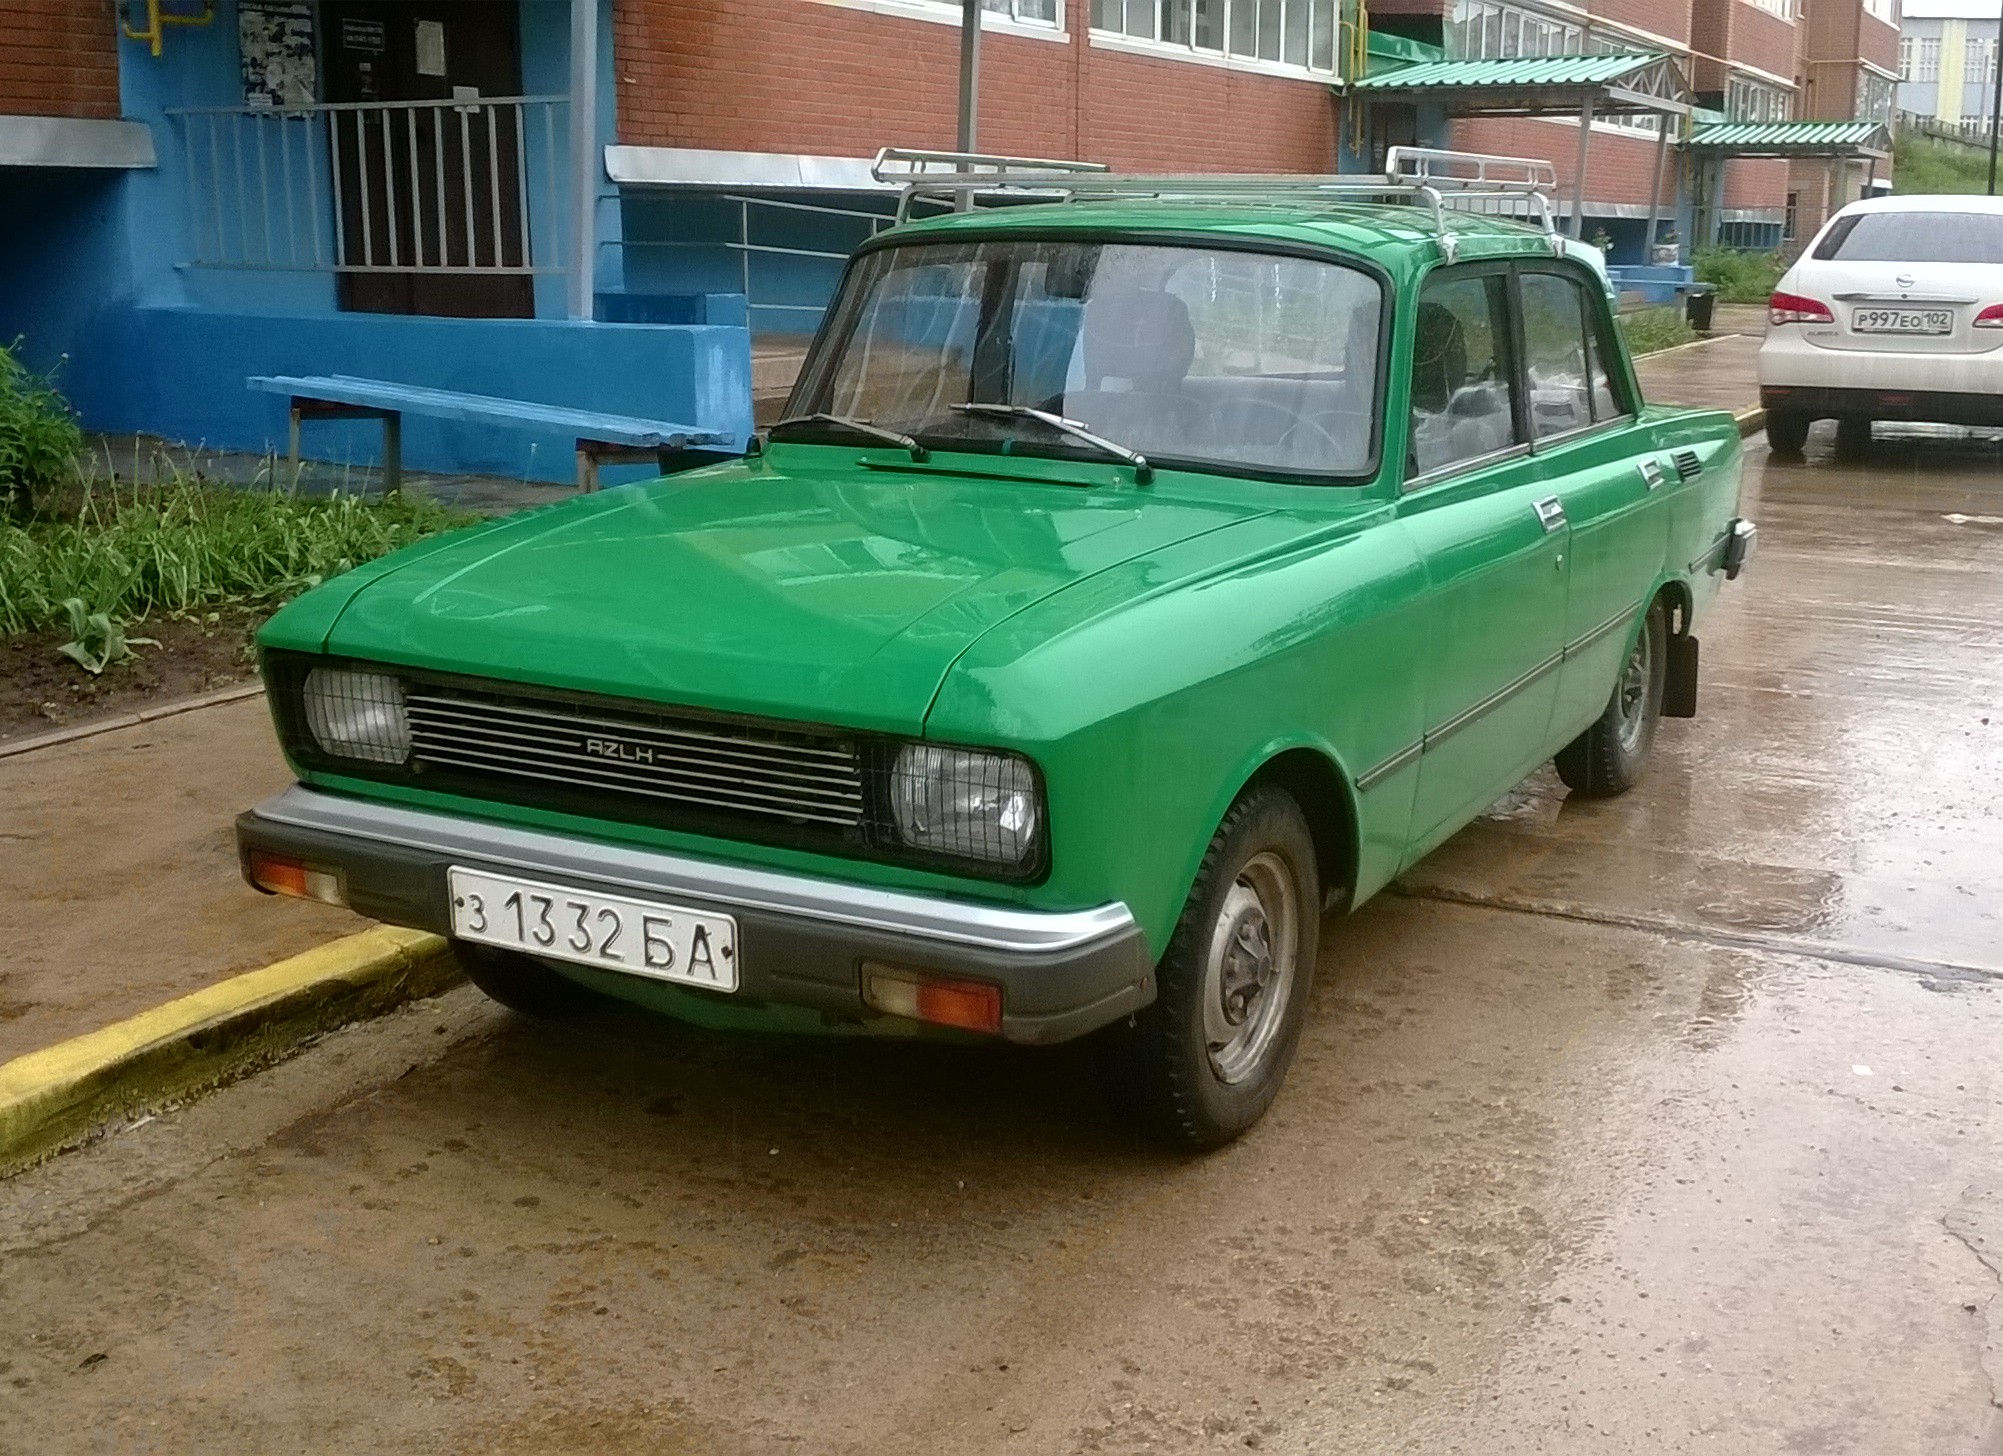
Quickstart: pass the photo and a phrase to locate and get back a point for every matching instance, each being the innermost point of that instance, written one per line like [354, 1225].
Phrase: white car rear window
[1914, 237]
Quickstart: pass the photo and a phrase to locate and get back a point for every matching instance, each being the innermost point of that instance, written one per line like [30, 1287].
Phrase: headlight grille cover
[358, 715]
[966, 803]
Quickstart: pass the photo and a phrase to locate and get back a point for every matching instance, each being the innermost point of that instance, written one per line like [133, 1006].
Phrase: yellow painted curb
[1750, 421]
[56, 1096]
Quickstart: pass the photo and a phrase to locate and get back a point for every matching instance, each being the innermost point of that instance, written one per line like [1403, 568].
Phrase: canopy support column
[1579, 175]
[1655, 186]
[585, 163]
[970, 86]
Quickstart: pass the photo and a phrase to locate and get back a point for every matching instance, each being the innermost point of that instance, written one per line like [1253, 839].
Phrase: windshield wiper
[860, 427]
[1143, 472]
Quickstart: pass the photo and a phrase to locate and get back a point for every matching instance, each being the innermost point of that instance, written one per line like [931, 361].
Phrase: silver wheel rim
[1632, 694]
[1248, 973]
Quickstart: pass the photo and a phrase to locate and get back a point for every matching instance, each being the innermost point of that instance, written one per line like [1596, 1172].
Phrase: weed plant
[1741, 276]
[39, 438]
[1650, 329]
[133, 552]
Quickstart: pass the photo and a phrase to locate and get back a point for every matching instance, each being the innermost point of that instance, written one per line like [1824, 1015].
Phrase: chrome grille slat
[501, 756]
[774, 774]
[569, 776]
[711, 761]
[776, 743]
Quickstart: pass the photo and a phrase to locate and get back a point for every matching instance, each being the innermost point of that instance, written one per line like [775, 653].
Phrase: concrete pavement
[1664, 1124]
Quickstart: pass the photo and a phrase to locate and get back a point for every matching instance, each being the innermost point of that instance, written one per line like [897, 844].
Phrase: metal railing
[439, 187]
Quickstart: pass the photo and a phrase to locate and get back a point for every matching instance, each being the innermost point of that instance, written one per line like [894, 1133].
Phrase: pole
[584, 163]
[970, 72]
[970, 87]
[1655, 187]
[1579, 176]
[1995, 100]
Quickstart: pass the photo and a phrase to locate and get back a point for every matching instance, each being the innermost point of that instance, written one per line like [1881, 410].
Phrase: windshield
[1205, 357]
[1914, 237]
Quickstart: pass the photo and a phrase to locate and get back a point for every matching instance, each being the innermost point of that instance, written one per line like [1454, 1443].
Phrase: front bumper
[802, 939]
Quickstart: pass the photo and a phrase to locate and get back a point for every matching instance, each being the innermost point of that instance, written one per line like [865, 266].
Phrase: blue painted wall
[94, 274]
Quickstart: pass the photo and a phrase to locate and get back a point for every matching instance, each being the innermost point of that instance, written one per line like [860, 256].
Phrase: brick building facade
[59, 58]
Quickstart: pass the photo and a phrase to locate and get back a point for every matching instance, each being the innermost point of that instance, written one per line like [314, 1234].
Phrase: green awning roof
[1793, 138]
[1620, 83]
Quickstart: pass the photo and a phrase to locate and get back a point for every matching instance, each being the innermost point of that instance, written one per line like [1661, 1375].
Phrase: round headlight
[965, 803]
[357, 715]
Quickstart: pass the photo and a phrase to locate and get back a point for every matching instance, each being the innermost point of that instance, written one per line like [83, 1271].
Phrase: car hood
[806, 585]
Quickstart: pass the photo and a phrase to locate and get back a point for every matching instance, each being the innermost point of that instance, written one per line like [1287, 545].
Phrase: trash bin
[1697, 305]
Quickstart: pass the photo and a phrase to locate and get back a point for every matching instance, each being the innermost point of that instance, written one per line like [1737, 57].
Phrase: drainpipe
[584, 163]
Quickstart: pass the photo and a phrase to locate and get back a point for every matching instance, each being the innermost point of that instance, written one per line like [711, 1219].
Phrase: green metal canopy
[1858, 139]
[1615, 84]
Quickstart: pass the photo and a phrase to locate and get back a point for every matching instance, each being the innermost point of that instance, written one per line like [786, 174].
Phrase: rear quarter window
[1914, 237]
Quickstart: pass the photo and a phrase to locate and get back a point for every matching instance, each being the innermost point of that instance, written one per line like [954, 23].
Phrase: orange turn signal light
[940, 1000]
[283, 875]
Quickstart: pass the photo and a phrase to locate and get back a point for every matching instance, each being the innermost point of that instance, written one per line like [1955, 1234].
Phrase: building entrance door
[430, 195]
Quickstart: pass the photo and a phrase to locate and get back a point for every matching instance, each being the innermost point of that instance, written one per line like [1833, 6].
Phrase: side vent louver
[1687, 464]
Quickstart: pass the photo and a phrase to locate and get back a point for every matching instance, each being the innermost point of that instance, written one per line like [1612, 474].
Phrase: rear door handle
[1550, 513]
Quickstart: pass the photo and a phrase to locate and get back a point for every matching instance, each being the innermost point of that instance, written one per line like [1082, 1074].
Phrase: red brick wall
[1618, 168]
[58, 58]
[795, 76]
[1763, 40]
[1750, 183]
[1657, 17]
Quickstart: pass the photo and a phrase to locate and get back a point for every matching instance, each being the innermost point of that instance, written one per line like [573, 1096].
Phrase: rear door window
[1564, 363]
[1914, 237]
[1463, 386]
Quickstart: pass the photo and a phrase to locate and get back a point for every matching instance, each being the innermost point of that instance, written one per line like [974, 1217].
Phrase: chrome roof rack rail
[1436, 180]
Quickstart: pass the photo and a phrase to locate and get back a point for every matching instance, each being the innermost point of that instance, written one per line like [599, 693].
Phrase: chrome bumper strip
[998, 928]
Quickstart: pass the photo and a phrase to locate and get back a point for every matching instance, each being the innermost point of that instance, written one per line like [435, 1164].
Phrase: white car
[1893, 312]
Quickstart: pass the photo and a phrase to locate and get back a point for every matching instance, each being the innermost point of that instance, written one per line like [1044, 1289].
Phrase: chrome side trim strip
[655, 872]
[1370, 778]
[1490, 703]
[1619, 619]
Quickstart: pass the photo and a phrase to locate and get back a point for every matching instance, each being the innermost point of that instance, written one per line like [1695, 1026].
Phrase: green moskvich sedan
[1136, 580]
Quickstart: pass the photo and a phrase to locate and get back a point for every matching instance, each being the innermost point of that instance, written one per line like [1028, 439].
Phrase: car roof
[1390, 233]
[1925, 202]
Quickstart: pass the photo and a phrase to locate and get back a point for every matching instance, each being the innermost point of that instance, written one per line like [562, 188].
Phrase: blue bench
[601, 438]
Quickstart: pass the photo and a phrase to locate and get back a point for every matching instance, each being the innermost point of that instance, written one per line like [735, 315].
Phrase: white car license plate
[611, 932]
[1902, 321]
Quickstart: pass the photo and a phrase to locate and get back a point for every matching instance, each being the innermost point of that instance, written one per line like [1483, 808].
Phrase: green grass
[1650, 329]
[1923, 164]
[1741, 277]
[137, 552]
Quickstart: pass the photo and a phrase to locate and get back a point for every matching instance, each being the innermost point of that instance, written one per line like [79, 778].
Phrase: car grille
[645, 762]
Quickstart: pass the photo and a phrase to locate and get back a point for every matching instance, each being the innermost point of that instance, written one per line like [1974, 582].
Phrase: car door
[1591, 454]
[1493, 539]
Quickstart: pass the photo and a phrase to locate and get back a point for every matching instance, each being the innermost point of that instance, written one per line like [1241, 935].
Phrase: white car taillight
[1793, 308]
[1990, 317]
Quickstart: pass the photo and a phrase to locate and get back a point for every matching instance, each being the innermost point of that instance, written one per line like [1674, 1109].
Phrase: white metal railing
[441, 187]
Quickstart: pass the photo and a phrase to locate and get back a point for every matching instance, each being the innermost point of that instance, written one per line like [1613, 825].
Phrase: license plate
[611, 932]
[1902, 321]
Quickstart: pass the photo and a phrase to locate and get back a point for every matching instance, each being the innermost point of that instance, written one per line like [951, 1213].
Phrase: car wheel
[522, 983]
[1608, 757]
[1853, 437]
[1202, 1064]
[1786, 433]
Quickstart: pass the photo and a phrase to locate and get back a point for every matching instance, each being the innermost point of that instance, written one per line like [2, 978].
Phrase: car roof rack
[1440, 181]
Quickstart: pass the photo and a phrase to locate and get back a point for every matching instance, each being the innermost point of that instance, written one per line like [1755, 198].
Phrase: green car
[1138, 582]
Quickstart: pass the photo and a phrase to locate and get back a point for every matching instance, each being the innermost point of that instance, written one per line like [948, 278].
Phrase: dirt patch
[40, 689]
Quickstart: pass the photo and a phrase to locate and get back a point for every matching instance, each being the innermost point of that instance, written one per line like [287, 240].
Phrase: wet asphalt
[1662, 1124]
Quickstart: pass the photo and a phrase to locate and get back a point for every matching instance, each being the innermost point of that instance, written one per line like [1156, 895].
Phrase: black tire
[1163, 1067]
[1787, 433]
[1853, 437]
[1608, 758]
[522, 983]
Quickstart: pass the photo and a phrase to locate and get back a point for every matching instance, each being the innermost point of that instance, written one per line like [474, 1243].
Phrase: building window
[1874, 96]
[1978, 66]
[1905, 58]
[1885, 10]
[1926, 59]
[1750, 100]
[1485, 30]
[1785, 9]
[1282, 32]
